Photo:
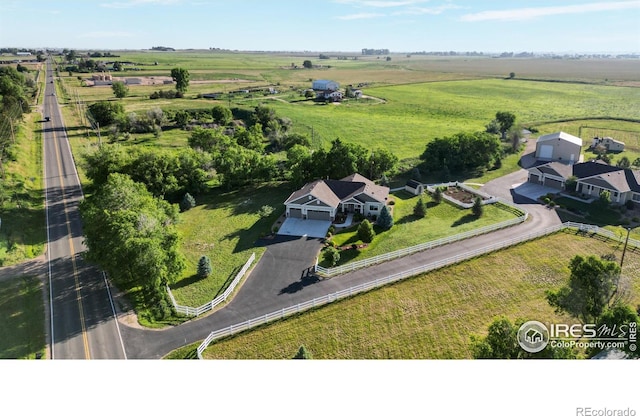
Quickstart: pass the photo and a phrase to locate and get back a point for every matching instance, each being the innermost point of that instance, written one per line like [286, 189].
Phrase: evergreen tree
[477, 208]
[437, 195]
[187, 202]
[302, 354]
[366, 232]
[204, 267]
[385, 220]
[420, 209]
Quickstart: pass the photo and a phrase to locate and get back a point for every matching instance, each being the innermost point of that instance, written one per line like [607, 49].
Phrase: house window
[636, 197]
[373, 208]
[615, 194]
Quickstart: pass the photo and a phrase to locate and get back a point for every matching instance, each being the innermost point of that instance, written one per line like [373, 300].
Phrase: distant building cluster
[375, 51]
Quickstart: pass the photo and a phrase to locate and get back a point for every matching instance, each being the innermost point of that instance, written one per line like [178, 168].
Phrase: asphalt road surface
[82, 316]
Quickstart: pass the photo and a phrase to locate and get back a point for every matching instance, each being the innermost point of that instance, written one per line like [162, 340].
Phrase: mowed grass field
[434, 315]
[224, 226]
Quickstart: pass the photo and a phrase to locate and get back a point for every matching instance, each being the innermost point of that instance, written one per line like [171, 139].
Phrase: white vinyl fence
[190, 311]
[345, 268]
[301, 307]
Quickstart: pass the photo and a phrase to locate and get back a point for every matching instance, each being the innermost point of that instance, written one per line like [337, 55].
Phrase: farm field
[431, 316]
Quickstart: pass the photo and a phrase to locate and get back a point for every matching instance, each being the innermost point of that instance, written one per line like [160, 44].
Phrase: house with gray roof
[592, 178]
[324, 198]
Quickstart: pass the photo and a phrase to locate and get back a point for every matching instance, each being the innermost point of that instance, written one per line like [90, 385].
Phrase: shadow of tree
[307, 279]
[464, 220]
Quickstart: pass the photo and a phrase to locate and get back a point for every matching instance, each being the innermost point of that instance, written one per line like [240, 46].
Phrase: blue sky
[325, 25]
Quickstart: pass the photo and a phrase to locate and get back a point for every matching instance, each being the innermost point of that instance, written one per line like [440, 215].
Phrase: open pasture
[431, 316]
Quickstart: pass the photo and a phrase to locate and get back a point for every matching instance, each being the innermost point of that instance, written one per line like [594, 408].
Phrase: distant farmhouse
[591, 179]
[560, 147]
[608, 143]
[366, 51]
[327, 90]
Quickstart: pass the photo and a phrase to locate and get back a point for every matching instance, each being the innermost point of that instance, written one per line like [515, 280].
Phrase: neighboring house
[327, 89]
[133, 81]
[560, 146]
[591, 179]
[610, 144]
[323, 199]
[414, 187]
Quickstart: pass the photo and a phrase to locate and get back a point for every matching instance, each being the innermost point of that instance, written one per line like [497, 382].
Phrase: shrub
[546, 200]
[331, 255]
[204, 267]
[625, 221]
[552, 204]
[265, 211]
[629, 204]
[187, 202]
[366, 232]
[636, 219]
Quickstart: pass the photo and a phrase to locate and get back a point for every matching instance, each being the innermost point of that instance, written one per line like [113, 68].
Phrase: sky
[578, 26]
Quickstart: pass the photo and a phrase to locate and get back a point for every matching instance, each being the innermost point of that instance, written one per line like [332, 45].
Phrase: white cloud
[106, 34]
[134, 3]
[381, 3]
[360, 16]
[427, 10]
[534, 12]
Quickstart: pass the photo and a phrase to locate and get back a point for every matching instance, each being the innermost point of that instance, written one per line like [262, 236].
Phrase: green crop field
[431, 316]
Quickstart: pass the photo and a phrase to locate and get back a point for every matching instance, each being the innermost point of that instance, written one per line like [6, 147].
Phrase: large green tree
[106, 112]
[505, 120]
[181, 78]
[592, 286]
[120, 89]
[462, 152]
[132, 236]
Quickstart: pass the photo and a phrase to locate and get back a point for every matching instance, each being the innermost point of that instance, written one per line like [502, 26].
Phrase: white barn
[560, 147]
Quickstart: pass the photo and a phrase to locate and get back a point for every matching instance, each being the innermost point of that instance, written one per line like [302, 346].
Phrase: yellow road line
[85, 339]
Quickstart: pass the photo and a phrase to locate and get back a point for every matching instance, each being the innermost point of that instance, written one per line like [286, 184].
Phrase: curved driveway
[281, 277]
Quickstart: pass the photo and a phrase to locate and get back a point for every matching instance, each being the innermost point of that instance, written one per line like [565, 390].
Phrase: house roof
[331, 192]
[611, 139]
[592, 168]
[560, 136]
[612, 180]
[317, 189]
[556, 168]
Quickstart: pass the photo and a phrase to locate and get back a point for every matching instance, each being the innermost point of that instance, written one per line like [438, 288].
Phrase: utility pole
[624, 250]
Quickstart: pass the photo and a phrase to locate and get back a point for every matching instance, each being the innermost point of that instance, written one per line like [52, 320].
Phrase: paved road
[280, 279]
[82, 319]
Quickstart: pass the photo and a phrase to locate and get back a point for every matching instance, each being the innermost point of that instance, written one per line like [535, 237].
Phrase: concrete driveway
[304, 228]
[533, 191]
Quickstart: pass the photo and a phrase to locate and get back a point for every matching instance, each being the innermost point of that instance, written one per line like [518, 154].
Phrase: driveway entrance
[300, 227]
[533, 191]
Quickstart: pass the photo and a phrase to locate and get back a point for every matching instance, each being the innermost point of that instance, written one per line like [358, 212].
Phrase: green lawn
[22, 324]
[442, 220]
[224, 226]
[431, 316]
[22, 230]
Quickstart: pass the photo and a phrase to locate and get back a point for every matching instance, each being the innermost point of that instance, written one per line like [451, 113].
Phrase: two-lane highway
[82, 315]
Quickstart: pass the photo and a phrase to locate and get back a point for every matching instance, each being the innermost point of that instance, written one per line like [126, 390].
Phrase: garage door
[553, 183]
[295, 213]
[534, 179]
[546, 151]
[319, 215]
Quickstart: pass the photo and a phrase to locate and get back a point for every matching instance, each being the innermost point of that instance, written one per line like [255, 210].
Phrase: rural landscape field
[406, 103]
